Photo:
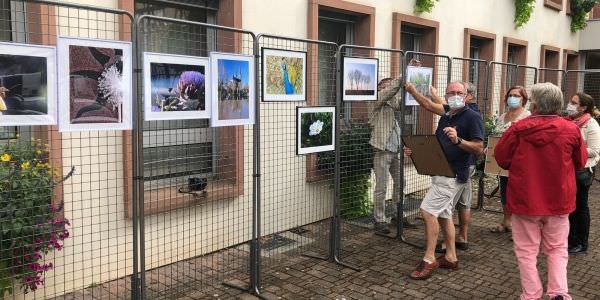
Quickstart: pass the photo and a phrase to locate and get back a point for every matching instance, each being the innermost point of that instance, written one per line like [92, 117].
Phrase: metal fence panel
[296, 188]
[82, 221]
[582, 81]
[196, 194]
[356, 183]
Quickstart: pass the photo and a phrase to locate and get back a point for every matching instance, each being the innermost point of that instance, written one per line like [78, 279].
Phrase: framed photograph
[27, 85]
[360, 79]
[421, 78]
[232, 87]
[284, 75]
[175, 87]
[315, 129]
[95, 76]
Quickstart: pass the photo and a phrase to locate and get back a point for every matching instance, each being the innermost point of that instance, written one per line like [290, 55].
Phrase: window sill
[553, 5]
[169, 198]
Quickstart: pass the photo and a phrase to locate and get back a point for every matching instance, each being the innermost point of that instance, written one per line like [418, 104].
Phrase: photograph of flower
[284, 75]
[315, 129]
[232, 88]
[27, 85]
[96, 75]
[360, 79]
[175, 87]
[420, 77]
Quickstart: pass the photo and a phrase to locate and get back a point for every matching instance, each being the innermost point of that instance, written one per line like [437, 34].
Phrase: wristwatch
[459, 140]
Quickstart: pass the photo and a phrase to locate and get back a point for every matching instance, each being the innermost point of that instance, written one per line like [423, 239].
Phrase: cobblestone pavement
[488, 270]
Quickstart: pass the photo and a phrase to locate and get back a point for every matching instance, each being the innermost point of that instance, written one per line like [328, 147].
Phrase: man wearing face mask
[466, 198]
[460, 133]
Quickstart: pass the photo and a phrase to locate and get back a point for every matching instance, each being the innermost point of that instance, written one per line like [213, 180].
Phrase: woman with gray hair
[542, 153]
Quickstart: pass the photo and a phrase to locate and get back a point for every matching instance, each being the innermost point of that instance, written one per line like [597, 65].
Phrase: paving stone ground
[488, 270]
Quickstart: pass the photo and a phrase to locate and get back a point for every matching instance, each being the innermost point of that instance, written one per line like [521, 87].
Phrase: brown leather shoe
[424, 270]
[446, 264]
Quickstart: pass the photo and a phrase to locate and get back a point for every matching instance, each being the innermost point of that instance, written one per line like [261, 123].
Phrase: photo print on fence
[175, 87]
[360, 79]
[421, 78]
[315, 129]
[96, 80]
[27, 85]
[284, 75]
[232, 87]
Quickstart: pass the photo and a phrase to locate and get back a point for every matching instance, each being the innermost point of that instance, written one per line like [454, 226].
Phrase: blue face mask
[513, 102]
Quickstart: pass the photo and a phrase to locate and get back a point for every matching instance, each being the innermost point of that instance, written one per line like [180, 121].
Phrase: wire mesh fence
[369, 171]
[196, 204]
[555, 76]
[297, 90]
[64, 226]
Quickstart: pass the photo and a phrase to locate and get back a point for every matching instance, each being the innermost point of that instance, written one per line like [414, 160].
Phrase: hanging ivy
[523, 11]
[579, 13]
[422, 6]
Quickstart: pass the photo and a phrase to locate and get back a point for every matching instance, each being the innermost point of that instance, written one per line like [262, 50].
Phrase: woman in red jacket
[542, 153]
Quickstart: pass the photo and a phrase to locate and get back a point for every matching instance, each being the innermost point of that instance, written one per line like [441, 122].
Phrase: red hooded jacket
[541, 154]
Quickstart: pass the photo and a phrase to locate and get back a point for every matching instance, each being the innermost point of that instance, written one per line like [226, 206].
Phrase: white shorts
[442, 196]
[466, 197]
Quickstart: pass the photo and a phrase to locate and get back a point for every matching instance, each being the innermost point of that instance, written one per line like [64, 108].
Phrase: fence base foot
[404, 240]
[316, 256]
[238, 285]
[346, 265]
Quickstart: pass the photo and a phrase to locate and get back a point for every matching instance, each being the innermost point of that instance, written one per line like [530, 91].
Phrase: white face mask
[456, 102]
[572, 109]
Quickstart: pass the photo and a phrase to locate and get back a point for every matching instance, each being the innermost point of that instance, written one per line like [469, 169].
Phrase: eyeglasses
[455, 93]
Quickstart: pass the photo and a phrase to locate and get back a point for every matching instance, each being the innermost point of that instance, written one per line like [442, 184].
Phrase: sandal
[500, 229]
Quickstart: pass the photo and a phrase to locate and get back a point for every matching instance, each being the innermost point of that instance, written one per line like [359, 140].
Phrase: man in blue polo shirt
[460, 133]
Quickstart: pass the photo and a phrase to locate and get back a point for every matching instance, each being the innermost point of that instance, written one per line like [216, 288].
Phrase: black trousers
[580, 219]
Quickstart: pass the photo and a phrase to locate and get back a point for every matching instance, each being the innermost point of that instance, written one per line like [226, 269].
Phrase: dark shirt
[472, 106]
[469, 127]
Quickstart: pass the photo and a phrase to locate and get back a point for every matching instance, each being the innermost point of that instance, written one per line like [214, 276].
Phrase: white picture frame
[26, 109]
[411, 73]
[272, 81]
[178, 63]
[326, 130]
[116, 112]
[359, 90]
[227, 111]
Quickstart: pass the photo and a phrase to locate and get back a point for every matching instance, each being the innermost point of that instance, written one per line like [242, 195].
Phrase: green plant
[579, 13]
[30, 224]
[356, 162]
[422, 6]
[523, 11]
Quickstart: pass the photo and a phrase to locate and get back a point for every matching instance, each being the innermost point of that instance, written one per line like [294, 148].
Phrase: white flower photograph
[315, 129]
[96, 75]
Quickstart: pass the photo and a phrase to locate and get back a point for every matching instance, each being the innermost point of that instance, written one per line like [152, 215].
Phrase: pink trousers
[552, 232]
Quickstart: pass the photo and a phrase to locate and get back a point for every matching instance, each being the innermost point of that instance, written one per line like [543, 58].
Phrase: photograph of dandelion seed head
[97, 79]
[284, 75]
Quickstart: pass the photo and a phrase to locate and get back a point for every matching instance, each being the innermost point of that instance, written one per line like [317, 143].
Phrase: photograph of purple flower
[96, 75]
[175, 87]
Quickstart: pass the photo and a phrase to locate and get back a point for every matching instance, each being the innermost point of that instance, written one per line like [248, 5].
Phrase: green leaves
[28, 225]
[422, 6]
[579, 13]
[523, 11]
